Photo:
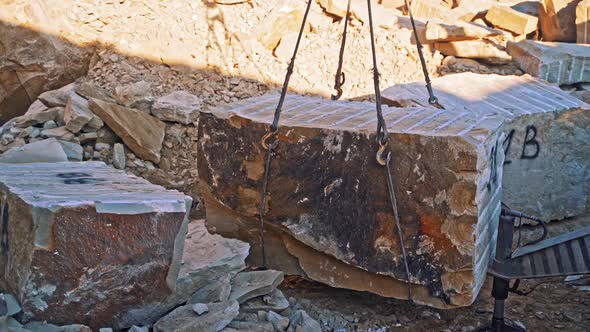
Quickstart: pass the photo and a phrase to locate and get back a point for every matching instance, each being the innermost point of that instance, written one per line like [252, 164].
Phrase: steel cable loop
[432, 100]
[382, 139]
[340, 78]
[271, 134]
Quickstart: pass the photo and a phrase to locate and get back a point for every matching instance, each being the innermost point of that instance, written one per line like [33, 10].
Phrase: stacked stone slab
[85, 243]
[547, 145]
[560, 63]
[328, 216]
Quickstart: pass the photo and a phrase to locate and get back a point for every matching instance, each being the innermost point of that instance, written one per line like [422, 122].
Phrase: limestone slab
[560, 63]
[507, 18]
[104, 244]
[547, 143]
[328, 192]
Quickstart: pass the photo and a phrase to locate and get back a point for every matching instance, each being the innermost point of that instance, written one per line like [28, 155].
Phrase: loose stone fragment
[317, 201]
[275, 301]
[136, 328]
[89, 90]
[282, 20]
[50, 125]
[59, 97]
[200, 308]
[560, 63]
[217, 291]
[557, 20]
[74, 151]
[506, 18]
[301, 318]
[179, 106]
[119, 156]
[77, 114]
[279, 322]
[12, 306]
[141, 132]
[184, 319]
[242, 326]
[135, 95]
[542, 177]
[60, 132]
[248, 285]
[442, 31]
[73, 208]
[45, 151]
[583, 22]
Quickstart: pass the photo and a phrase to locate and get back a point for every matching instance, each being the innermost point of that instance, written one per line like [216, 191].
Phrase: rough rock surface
[66, 271]
[179, 106]
[583, 22]
[448, 211]
[248, 285]
[557, 20]
[560, 63]
[141, 132]
[543, 176]
[184, 319]
[32, 62]
[45, 151]
[507, 18]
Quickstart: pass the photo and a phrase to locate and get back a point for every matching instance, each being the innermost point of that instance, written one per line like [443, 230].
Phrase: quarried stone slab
[547, 143]
[560, 63]
[328, 194]
[85, 243]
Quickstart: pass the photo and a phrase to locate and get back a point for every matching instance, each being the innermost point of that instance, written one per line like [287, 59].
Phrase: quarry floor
[554, 305]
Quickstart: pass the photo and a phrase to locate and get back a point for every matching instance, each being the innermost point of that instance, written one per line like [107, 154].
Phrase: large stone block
[583, 22]
[85, 243]
[328, 194]
[560, 63]
[557, 20]
[547, 132]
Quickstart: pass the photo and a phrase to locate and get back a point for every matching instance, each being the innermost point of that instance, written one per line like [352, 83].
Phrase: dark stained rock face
[328, 194]
[547, 143]
[85, 243]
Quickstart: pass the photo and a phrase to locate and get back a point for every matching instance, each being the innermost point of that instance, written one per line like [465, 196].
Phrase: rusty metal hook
[264, 141]
[381, 152]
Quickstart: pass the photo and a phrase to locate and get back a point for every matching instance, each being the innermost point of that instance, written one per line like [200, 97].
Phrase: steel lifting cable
[432, 100]
[382, 140]
[340, 77]
[271, 134]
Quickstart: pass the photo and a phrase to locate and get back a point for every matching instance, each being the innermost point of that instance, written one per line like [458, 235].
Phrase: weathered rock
[179, 106]
[382, 16]
[39, 115]
[557, 20]
[89, 90]
[328, 204]
[60, 132]
[510, 19]
[72, 274]
[430, 9]
[200, 308]
[12, 306]
[279, 322]
[206, 257]
[33, 62]
[119, 156]
[142, 133]
[50, 125]
[583, 22]
[134, 95]
[275, 301]
[248, 285]
[74, 151]
[242, 326]
[560, 63]
[184, 319]
[216, 291]
[77, 114]
[59, 97]
[476, 49]
[136, 328]
[442, 31]
[301, 318]
[45, 151]
[542, 176]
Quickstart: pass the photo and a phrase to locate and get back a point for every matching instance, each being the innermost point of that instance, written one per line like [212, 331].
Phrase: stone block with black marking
[547, 144]
[85, 243]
